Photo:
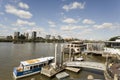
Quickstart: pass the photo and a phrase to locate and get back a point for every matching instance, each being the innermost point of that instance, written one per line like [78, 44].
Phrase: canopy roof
[36, 61]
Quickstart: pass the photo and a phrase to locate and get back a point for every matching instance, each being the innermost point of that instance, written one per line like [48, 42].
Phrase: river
[11, 55]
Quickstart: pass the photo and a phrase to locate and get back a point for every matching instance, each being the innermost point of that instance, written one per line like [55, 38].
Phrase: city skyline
[83, 19]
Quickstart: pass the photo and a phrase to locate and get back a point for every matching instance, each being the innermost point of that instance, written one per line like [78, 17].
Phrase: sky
[82, 19]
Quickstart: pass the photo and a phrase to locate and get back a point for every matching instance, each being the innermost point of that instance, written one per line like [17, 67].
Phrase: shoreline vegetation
[30, 40]
[45, 40]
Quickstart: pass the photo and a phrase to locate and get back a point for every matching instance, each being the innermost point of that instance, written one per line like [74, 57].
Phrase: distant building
[9, 37]
[34, 35]
[59, 37]
[48, 36]
[26, 35]
[16, 35]
[53, 37]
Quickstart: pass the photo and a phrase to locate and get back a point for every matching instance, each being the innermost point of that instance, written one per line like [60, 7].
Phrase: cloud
[20, 13]
[88, 21]
[70, 27]
[104, 25]
[74, 5]
[52, 24]
[70, 20]
[23, 22]
[23, 5]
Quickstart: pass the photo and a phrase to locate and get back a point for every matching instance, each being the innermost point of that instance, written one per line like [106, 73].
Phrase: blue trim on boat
[26, 72]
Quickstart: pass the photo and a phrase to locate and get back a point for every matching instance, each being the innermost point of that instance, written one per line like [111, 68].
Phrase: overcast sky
[83, 19]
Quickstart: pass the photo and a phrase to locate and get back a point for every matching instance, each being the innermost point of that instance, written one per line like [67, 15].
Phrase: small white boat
[30, 67]
[79, 59]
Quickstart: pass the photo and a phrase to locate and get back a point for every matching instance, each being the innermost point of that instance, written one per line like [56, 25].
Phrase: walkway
[95, 52]
[86, 64]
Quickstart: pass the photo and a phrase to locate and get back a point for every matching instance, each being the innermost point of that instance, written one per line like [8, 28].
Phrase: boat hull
[25, 73]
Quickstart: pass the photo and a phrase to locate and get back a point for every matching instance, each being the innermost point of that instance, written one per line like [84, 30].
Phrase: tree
[114, 38]
[22, 37]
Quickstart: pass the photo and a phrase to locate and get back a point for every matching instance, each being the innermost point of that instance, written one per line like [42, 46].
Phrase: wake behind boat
[30, 67]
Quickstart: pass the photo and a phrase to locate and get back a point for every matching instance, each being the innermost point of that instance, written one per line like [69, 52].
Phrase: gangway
[86, 64]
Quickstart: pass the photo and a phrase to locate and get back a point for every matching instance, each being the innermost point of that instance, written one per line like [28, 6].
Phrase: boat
[30, 67]
[79, 58]
[75, 46]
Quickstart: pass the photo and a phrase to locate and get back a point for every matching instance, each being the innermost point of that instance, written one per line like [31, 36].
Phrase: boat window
[50, 61]
[43, 64]
[40, 65]
[36, 66]
[71, 45]
[31, 67]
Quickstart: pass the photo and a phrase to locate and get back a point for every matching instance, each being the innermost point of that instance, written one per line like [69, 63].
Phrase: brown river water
[11, 55]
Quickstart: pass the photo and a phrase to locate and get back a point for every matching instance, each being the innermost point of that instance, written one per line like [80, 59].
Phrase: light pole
[70, 53]
[61, 55]
[56, 55]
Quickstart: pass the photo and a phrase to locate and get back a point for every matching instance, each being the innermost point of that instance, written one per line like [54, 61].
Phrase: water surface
[11, 55]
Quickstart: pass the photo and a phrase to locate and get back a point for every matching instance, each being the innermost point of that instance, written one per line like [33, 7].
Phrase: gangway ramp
[86, 64]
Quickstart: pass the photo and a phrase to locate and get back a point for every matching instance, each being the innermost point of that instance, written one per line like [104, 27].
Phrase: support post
[70, 53]
[61, 55]
[55, 55]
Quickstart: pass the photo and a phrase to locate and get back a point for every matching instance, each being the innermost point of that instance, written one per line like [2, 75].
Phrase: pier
[73, 69]
[62, 75]
[70, 64]
[49, 71]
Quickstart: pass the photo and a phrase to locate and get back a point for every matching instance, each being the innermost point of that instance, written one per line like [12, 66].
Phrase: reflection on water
[11, 55]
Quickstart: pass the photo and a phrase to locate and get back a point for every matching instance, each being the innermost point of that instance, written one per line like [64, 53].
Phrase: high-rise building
[59, 37]
[53, 37]
[26, 35]
[48, 36]
[16, 35]
[34, 35]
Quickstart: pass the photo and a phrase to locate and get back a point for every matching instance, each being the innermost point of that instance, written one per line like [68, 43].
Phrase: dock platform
[50, 71]
[62, 75]
[73, 69]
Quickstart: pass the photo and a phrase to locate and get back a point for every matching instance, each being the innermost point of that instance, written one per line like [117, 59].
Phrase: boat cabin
[34, 63]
